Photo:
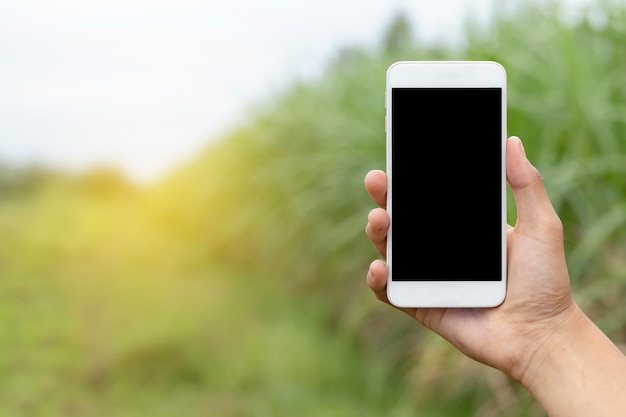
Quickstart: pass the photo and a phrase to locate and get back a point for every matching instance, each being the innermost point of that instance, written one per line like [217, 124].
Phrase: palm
[524, 318]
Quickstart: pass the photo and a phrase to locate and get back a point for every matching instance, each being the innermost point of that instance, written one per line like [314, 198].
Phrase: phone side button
[385, 124]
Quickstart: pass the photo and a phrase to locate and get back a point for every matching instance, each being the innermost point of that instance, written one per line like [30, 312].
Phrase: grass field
[105, 314]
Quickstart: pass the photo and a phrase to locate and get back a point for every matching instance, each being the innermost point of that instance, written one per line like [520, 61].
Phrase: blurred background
[182, 207]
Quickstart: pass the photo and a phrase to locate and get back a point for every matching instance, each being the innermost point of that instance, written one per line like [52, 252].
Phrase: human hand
[509, 337]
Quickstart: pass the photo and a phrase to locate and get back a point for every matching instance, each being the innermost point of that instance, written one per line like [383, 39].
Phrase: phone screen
[447, 184]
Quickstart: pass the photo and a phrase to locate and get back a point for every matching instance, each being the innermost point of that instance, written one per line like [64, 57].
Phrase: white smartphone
[446, 192]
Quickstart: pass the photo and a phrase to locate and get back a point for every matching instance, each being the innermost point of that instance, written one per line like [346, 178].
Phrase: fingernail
[521, 144]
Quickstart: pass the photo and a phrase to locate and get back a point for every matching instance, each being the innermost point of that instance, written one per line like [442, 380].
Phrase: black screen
[447, 184]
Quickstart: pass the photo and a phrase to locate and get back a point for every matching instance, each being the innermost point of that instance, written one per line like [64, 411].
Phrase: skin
[538, 335]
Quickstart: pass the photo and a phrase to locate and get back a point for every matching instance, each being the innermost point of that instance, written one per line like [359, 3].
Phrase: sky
[142, 85]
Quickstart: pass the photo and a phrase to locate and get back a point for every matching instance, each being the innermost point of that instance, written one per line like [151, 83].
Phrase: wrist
[553, 348]
[577, 371]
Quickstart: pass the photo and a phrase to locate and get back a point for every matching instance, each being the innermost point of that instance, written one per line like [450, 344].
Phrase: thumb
[535, 214]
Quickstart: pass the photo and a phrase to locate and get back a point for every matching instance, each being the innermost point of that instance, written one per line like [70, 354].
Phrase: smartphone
[446, 192]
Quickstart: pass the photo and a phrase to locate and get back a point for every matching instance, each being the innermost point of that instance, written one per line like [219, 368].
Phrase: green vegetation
[235, 286]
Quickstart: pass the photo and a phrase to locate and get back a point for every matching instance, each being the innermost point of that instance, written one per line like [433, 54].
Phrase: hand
[539, 299]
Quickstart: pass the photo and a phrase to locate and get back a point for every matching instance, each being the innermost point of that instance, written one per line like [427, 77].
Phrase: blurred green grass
[235, 286]
[106, 312]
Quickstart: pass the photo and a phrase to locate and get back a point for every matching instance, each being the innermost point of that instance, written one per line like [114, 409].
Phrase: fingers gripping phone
[446, 192]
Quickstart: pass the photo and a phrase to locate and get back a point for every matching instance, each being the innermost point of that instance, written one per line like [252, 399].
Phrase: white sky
[143, 84]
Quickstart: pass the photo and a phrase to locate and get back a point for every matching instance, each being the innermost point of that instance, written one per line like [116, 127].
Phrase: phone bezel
[445, 74]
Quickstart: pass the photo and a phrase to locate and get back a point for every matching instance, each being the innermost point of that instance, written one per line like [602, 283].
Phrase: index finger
[376, 186]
